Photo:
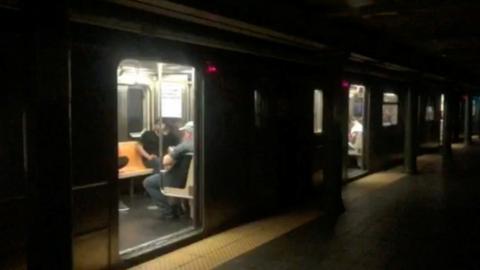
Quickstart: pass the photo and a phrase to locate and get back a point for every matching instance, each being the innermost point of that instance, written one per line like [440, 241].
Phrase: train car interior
[356, 164]
[432, 122]
[156, 112]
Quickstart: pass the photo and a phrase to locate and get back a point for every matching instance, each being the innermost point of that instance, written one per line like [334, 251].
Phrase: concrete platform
[393, 221]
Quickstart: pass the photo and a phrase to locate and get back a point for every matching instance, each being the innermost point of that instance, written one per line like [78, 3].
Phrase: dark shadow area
[429, 148]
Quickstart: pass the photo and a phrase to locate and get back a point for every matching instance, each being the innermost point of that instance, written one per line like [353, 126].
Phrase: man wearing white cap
[176, 168]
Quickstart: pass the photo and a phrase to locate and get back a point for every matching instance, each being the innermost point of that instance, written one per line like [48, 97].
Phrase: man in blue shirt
[176, 164]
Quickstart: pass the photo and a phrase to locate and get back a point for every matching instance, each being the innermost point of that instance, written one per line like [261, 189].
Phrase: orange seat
[135, 165]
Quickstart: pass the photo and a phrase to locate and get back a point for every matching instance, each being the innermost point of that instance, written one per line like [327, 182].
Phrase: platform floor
[392, 221]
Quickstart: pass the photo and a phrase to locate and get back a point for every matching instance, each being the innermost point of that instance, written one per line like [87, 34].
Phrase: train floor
[430, 220]
[140, 222]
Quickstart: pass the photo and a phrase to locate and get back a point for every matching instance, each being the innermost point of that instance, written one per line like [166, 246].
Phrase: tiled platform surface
[220, 248]
[427, 221]
[393, 221]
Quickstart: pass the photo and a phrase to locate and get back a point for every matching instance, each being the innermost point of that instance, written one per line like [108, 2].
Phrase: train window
[137, 115]
[474, 107]
[317, 111]
[390, 109]
[442, 105]
[156, 112]
[429, 113]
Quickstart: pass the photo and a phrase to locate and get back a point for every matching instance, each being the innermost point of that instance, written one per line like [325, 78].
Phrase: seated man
[355, 139]
[355, 142]
[174, 174]
[148, 146]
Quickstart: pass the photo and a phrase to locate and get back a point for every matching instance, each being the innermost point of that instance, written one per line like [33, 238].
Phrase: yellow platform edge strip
[220, 248]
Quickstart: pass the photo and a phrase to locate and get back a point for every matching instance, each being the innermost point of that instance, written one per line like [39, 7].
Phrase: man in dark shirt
[176, 164]
[148, 146]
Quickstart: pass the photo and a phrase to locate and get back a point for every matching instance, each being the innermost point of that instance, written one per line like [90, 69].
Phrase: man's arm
[168, 162]
[144, 153]
[175, 152]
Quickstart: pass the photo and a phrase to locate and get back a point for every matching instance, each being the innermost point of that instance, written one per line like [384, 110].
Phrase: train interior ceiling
[158, 97]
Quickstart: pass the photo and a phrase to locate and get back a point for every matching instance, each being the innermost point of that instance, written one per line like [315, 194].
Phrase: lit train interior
[356, 164]
[156, 112]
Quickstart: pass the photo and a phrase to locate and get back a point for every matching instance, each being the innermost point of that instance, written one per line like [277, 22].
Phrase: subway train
[279, 121]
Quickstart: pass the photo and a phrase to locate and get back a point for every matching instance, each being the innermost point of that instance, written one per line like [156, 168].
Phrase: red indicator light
[345, 84]
[211, 69]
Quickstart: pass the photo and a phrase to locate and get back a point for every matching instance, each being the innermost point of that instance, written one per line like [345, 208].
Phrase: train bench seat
[186, 192]
[134, 167]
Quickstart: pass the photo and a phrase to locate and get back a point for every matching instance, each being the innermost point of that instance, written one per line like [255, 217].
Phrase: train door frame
[366, 129]
[319, 139]
[157, 247]
[427, 122]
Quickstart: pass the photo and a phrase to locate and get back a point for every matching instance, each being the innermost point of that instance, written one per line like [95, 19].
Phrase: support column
[336, 143]
[48, 140]
[467, 131]
[411, 140]
[447, 132]
[457, 122]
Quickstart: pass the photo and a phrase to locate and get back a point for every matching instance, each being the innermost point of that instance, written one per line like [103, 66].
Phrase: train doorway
[158, 198]
[357, 115]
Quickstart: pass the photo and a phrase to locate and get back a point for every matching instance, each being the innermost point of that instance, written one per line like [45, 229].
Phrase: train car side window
[442, 106]
[317, 111]
[137, 110]
[429, 113]
[474, 107]
[390, 109]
